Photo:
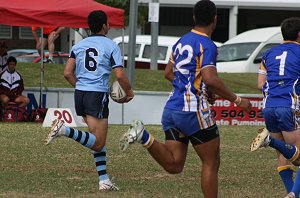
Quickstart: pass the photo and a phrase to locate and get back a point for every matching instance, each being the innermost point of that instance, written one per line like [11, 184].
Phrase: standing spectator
[88, 69]
[3, 56]
[50, 34]
[278, 78]
[187, 116]
[11, 85]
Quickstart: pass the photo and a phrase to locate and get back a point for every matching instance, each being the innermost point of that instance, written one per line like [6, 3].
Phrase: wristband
[238, 100]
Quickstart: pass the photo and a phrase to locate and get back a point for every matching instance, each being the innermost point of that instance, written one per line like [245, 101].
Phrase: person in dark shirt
[11, 85]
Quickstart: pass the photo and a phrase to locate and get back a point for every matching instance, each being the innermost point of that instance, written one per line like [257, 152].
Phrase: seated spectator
[3, 56]
[11, 85]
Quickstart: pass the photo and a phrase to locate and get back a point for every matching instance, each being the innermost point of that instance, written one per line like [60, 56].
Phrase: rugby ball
[117, 93]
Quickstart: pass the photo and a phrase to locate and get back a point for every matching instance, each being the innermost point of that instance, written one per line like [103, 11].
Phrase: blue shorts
[91, 103]
[279, 119]
[185, 122]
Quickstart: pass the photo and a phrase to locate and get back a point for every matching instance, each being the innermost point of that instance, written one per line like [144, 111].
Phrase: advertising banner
[227, 113]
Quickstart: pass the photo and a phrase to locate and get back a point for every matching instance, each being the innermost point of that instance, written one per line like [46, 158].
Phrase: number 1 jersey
[281, 65]
[95, 57]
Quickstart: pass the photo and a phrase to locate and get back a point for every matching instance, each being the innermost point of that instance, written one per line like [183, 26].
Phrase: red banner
[227, 113]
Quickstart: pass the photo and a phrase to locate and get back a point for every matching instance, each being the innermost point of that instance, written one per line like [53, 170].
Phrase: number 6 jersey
[192, 52]
[281, 65]
[95, 57]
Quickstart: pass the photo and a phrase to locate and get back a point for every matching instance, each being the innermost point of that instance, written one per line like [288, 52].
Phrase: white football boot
[107, 185]
[261, 140]
[56, 131]
[134, 134]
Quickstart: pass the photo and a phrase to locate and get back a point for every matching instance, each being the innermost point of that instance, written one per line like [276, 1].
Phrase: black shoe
[49, 61]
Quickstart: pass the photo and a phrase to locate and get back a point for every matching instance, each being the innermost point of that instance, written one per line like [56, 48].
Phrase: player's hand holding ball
[118, 94]
[130, 95]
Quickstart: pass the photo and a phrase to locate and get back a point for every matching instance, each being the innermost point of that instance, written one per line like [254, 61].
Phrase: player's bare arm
[217, 86]
[124, 82]
[169, 75]
[261, 79]
[69, 72]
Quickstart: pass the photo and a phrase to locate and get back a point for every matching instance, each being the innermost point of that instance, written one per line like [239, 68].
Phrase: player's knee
[98, 146]
[174, 168]
[4, 100]
[212, 168]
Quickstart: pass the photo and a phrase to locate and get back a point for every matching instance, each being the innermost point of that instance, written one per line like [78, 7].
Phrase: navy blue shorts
[184, 126]
[91, 103]
[279, 119]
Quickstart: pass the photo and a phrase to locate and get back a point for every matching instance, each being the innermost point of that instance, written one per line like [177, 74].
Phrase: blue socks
[147, 139]
[289, 151]
[88, 140]
[296, 187]
[286, 174]
[100, 160]
[85, 138]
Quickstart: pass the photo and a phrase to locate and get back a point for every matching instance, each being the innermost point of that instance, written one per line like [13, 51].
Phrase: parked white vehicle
[143, 50]
[243, 53]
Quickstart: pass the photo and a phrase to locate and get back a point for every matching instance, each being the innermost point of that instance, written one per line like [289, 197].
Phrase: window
[137, 49]
[26, 33]
[259, 56]
[236, 52]
[5, 31]
[161, 55]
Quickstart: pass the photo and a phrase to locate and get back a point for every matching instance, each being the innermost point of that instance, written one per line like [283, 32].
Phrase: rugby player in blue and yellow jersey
[278, 78]
[187, 116]
[88, 69]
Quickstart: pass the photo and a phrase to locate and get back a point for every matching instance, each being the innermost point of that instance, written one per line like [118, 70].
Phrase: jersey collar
[197, 32]
[97, 35]
[289, 41]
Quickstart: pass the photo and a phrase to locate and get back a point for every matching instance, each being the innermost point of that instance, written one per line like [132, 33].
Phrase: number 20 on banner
[63, 114]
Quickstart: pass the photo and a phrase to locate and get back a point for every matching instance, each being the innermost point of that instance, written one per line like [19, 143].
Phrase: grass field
[145, 79]
[66, 169]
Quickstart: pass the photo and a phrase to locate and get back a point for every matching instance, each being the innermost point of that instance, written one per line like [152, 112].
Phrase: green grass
[146, 80]
[66, 169]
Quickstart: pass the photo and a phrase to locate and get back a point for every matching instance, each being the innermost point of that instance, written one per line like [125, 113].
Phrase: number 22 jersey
[281, 65]
[192, 52]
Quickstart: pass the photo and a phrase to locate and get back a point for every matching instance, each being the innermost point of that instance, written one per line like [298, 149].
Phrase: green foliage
[125, 5]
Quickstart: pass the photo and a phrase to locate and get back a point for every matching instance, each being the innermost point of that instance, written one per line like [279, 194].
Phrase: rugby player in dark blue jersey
[88, 69]
[278, 78]
[187, 115]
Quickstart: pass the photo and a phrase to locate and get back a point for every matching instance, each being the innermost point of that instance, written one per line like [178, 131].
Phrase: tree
[125, 5]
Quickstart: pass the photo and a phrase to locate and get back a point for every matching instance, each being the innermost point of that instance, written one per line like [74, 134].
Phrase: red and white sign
[66, 114]
[227, 113]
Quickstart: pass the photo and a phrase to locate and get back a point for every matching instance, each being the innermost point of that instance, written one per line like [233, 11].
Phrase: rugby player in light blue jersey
[88, 69]
[187, 116]
[278, 78]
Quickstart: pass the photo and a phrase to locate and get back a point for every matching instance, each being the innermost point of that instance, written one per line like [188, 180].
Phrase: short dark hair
[96, 20]
[11, 59]
[204, 12]
[290, 28]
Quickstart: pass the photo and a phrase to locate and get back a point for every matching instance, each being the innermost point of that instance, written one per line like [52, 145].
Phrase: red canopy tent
[66, 13]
